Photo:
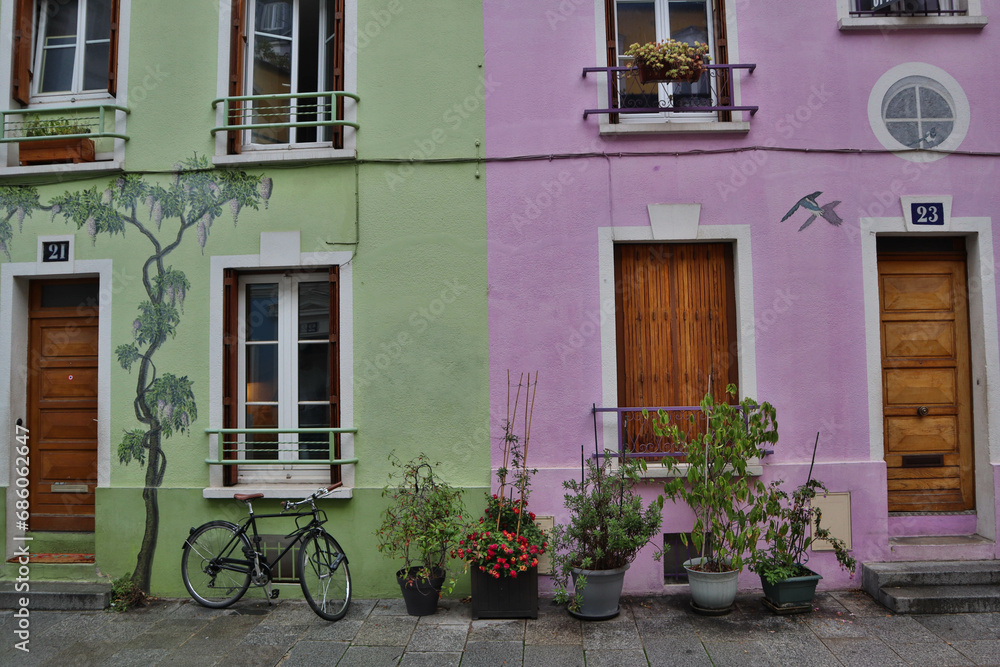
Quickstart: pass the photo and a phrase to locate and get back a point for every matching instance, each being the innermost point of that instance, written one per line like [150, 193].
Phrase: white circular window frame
[960, 104]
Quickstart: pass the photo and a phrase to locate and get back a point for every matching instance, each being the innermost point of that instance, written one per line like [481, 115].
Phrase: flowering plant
[508, 541]
[673, 60]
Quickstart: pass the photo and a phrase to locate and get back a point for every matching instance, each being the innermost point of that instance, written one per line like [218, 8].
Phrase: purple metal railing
[720, 78]
[910, 8]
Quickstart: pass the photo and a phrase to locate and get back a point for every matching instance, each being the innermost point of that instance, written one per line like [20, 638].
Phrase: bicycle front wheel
[210, 553]
[325, 577]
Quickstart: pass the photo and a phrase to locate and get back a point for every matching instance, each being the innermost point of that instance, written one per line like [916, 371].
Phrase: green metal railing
[221, 432]
[244, 114]
[11, 130]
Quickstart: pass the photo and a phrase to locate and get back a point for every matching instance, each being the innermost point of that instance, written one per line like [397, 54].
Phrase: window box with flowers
[669, 61]
[503, 553]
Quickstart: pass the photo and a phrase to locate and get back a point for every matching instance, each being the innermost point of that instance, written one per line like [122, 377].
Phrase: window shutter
[237, 55]
[230, 366]
[24, 15]
[725, 82]
[113, 49]
[611, 35]
[335, 365]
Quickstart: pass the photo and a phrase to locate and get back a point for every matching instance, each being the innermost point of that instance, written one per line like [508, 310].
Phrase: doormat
[57, 558]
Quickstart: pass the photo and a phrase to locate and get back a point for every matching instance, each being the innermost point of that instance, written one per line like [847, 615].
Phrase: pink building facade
[811, 221]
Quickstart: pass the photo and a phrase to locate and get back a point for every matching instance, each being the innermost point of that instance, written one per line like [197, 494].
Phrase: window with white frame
[281, 49]
[285, 374]
[915, 14]
[641, 21]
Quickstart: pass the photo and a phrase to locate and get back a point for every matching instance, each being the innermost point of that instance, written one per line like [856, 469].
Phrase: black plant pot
[420, 594]
[505, 597]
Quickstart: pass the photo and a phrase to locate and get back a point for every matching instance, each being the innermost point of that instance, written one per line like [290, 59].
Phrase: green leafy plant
[37, 126]
[608, 523]
[125, 594]
[713, 477]
[672, 58]
[423, 522]
[793, 526]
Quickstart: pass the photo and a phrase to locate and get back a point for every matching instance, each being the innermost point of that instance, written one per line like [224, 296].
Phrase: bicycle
[221, 560]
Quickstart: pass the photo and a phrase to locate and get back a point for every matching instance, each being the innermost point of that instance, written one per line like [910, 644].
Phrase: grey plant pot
[601, 593]
[711, 591]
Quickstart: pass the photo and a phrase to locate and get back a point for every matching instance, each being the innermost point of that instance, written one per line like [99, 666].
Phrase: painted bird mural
[810, 204]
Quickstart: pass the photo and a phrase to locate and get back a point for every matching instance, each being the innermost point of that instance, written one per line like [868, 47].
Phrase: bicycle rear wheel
[203, 565]
[325, 577]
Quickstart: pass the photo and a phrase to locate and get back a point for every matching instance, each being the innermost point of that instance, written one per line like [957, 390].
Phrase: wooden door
[62, 404]
[926, 387]
[676, 327]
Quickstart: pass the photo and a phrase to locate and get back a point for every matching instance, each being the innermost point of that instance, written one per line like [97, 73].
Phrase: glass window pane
[314, 311]
[906, 133]
[636, 24]
[57, 70]
[935, 131]
[262, 373]
[262, 311]
[272, 69]
[933, 105]
[903, 104]
[98, 19]
[95, 66]
[70, 295]
[261, 416]
[61, 18]
[314, 371]
[314, 445]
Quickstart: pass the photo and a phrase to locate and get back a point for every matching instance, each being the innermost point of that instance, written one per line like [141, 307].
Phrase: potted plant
[608, 525]
[713, 477]
[669, 61]
[421, 526]
[793, 525]
[56, 149]
[503, 550]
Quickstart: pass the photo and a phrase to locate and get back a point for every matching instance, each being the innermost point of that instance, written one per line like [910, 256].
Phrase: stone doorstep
[954, 599]
[929, 573]
[56, 596]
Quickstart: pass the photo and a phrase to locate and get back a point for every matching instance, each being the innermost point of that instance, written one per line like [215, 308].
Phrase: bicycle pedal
[275, 593]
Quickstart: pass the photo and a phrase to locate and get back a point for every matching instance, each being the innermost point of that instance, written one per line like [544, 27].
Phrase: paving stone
[342, 630]
[371, 656]
[441, 637]
[616, 658]
[892, 629]
[435, 659]
[938, 653]
[604, 635]
[389, 608]
[497, 630]
[863, 653]
[136, 657]
[680, 651]
[492, 654]
[734, 626]
[554, 629]
[859, 603]
[307, 653]
[168, 634]
[982, 652]
[737, 653]
[451, 611]
[250, 655]
[553, 656]
[952, 628]
[83, 654]
[358, 610]
[834, 628]
[800, 650]
[386, 631]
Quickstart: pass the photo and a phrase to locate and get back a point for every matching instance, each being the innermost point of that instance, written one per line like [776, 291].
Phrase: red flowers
[509, 550]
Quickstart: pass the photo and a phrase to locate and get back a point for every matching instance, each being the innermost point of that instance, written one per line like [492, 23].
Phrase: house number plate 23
[55, 251]
[927, 213]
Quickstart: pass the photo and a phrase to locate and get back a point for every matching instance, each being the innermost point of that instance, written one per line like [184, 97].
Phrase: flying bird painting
[810, 204]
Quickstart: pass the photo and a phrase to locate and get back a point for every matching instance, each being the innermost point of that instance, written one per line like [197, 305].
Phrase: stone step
[929, 573]
[953, 599]
[56, 596]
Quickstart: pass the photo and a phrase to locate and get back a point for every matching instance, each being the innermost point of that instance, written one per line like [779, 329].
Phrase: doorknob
[922, 411]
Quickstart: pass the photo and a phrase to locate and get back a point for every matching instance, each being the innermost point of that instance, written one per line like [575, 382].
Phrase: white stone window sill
[259, 157]
[888, 23]
[666, 127]
[96, 168]
[280, 491]
[655, 471]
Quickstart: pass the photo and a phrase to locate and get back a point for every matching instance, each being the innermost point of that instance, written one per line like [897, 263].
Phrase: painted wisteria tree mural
[162, 216]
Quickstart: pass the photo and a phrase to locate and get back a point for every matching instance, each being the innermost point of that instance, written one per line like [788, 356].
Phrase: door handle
[922, 411]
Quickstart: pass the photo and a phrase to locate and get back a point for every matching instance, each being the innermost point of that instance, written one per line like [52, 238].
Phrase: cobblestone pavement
[844, 628]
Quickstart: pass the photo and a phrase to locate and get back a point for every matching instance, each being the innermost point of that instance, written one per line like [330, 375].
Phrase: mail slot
[63, 487]
[923, 461]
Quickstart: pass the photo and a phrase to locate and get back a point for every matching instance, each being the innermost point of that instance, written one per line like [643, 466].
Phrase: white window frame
[973, 19]
[76, 91]
[287, 153]
[288, 383]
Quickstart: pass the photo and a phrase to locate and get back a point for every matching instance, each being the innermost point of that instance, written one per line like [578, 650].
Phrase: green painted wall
[418, 232]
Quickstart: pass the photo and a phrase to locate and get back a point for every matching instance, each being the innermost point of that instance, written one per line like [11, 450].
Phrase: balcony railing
[264, 114]
[17, 124]
[248, 447]
[713, 94]
[879, 8]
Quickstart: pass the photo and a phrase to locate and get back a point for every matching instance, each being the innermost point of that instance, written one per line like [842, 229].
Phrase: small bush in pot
[422, 524]
[608, 526]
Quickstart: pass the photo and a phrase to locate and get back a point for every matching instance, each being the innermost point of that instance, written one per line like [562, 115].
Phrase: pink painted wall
[812, 84]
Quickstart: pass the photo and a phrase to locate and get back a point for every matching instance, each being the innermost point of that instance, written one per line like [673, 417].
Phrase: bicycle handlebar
[319, 493]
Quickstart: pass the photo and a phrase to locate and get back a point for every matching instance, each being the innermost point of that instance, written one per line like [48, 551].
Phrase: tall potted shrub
[793, 525]
[711, 465]
[422, 524]
[503, 549]
[608, 525]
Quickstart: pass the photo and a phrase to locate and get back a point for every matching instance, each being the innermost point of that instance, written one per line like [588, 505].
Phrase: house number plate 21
[927, 213]
[55, 251]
